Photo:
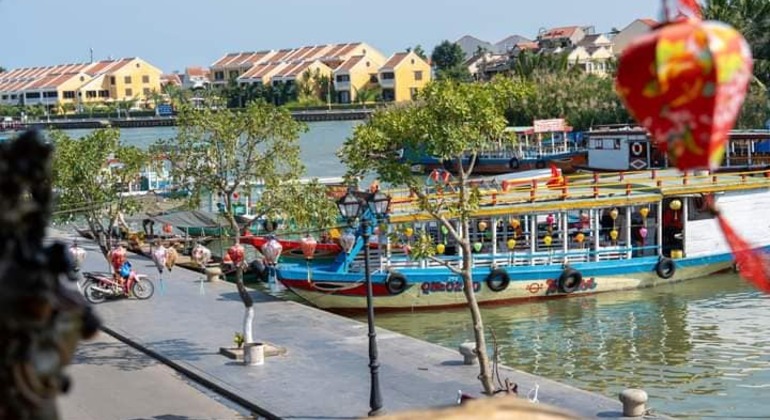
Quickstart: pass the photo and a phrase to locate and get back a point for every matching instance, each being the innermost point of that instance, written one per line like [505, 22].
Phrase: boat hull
[567, 162]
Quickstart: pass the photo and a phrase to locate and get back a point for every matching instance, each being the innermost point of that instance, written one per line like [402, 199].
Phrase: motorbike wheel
[142, 288]
[92, 295]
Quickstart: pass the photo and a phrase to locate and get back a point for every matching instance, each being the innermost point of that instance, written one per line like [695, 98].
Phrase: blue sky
[173, 34]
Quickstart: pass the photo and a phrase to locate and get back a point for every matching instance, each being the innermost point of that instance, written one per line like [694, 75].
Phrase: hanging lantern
[347, 241]
[78, 255]
[171, 256]
[482, 226]
[685, 82]
[272, 251]
[644, 211]
[167, 228]
[201, 255]
[585, 219]
[511, 244]
[614, 235]
[308, 245]
[614, 214]
[408, 232]
[159, 256]
[237, 254]
[549, 220]
[675, 205]
[226, 259]
[440, 248]
[236, 196]
[334, 234]
[444, 230]
[580, 237]
[547, 240]
[477, 246]
[643, 232]
[515, 223]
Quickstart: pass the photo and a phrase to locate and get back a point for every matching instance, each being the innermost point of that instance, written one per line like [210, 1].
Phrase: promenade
[324, 373]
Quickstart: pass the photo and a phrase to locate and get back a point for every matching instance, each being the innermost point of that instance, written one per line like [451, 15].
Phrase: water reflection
[696, 347]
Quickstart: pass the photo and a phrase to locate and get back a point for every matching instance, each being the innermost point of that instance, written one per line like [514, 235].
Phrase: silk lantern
[237, 254]
[171, 256]
[515, 223]
[511, 244]
[580, 237]
[159, 255]
[440, 248]
[408, 232]
[643, 232]
[547, 240]
[685, 83]
[201, 255]
[272, 251]
[482, 226]
[347, 240]
[308, 245]
[614, 235]
[477, 246]
[644, 211]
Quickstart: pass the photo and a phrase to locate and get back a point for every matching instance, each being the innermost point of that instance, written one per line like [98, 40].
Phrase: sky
[174, 34]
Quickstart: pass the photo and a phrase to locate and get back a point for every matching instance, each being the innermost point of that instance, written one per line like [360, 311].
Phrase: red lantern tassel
[753, 265]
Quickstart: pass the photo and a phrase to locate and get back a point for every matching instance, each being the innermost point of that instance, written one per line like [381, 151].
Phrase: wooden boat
[595, 233]
[545, 144]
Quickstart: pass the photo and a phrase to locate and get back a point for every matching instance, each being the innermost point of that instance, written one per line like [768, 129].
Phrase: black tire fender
[498, 280]
[570, 280]
[513, 163]
[396, 283]
[665, 268]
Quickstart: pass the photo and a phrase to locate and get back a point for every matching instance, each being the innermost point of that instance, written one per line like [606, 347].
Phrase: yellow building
[98, 82]
[357, 74]
[402, 76]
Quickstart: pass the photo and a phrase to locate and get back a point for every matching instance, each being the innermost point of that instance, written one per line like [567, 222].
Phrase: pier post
[634, 402]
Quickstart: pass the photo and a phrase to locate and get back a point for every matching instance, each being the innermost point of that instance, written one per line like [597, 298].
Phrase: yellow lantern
[580, 237]
[440, 248]
[482, 226]
[614, 234]
[675, 205]
[547, 240]
[515, 223]
[408, 232]
[511, 244]
[614, 214]
[644, 211]
[334, 233]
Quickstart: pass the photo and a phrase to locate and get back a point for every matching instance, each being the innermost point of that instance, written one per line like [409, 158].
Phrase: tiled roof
[395, 60]
[198, 72]
[563, 32]
[649, 22]
[51, 77]
[171, 79]
[350, 63]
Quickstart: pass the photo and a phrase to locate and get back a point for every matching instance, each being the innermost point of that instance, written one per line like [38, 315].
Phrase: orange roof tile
[395, 60]
[563, 32]
[349, 48]
[227, 58]
[198, 72]
[350, 63]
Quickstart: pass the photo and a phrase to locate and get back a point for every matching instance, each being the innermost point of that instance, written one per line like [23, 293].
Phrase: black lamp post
[351, 208]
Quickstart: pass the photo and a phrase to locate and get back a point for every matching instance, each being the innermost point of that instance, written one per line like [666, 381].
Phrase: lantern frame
[350, 206]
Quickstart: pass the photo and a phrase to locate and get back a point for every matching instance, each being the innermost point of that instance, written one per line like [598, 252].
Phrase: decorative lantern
[237, 254]
[643, 232]
[685, 82]
[167, 228]
[514, 223]
[614, 214]
[236, 196]
[614, 235]
[272, 251]
[444, 230]
[201, 255]
[547, 240]
[675, 205]
[644, 211]
[440, 248]
[334, 234]
[549, 220]
[511, 244]
[477, 246]
[159, 256]
[78, 255]
[580, 237]
[482, 226]
[171, 256]
[347, 241]
[308, 245]
[408, 232]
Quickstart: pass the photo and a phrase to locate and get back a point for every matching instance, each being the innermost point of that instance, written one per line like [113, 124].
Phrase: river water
[700, 348]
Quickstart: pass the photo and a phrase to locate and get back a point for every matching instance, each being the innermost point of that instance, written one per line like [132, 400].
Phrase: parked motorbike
[99, 287]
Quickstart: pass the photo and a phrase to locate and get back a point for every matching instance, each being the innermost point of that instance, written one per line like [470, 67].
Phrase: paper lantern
[685, 82]
[334, 233]
[675, 205]
[547, 240]
[614, 235]
[644, 211]
[515, 223]
[482, 226]
[440, 248]
[201, 255]
[549, 220]
[643, 232]
[580, 237]
[308, 245]
[408, 232]
[347, 241]
[444, 230]
[78, 255]
[171, 256]
[511, 244]
[237, 254]
[477, 246]
[614, 214]
[159, 256]
[272, 251]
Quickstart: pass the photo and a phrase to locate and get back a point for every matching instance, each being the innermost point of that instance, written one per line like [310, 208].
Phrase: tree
[225, 150]
[90, 186]
[451, 120]
[419, 51]
[448, 60]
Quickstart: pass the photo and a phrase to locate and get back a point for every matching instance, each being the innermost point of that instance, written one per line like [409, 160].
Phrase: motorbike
[98, 287]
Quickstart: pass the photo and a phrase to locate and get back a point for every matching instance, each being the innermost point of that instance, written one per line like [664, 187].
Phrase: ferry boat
[546, 143]
[595, 233]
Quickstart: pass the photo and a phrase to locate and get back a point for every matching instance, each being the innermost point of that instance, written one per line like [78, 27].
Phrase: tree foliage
[419, 51]
[451, 120]
[86, 185]
[447, 57]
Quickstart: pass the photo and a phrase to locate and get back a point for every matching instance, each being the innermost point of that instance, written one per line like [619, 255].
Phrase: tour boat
[593, 233]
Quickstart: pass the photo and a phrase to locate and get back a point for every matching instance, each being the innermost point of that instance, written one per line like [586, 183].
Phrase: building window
[112, 80]
[146, 92]
[388, 95]
[343, 78]
[373, 78]
[418, 75]
[129, 92]
[233, 74]
[388, 76]
[104, 93]
[343, 97]
[68, 94]
[32, 95]
[13, 97]
[145, 79]
[127, 80]
[51, 94]
[5, 97]
[219, 75]
[91, 94]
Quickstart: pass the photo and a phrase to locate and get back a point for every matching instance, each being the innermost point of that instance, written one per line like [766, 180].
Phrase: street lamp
[352, 207]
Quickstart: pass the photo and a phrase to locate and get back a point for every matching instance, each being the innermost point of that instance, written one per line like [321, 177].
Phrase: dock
[324, 371]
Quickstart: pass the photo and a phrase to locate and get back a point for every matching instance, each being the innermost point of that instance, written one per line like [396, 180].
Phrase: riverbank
[171, 121]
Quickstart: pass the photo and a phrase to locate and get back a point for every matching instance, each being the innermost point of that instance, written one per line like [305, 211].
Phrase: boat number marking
[585, 285]
[446, 286]
[534, 287]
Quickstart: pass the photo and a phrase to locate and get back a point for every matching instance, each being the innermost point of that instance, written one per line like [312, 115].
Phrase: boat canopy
[188, 219]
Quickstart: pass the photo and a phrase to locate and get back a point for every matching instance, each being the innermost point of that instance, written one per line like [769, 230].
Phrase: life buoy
[396, 283]
[513, 163]
[570, 280]
[540, 164]
[498, 280]
[665, 268]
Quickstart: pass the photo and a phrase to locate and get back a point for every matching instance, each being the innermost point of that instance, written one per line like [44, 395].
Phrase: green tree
[88, 186]
[223, 151]
[419, 51]
[448, 60]
[451, 120]
[754, 112]
[529, 64]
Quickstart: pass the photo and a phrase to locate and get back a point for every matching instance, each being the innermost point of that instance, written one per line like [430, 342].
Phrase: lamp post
[351, 208]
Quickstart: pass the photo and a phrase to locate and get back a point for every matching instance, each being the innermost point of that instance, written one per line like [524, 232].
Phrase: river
[699, 348]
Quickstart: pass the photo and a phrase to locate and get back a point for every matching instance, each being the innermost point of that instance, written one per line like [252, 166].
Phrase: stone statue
[41, 319]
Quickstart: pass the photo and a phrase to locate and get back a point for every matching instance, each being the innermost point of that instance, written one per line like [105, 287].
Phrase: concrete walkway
[324, 374]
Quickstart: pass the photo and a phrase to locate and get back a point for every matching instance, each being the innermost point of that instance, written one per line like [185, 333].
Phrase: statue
[41, 319]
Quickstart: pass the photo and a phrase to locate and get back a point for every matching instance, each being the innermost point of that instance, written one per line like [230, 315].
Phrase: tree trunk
[248, 302]
[485, 374]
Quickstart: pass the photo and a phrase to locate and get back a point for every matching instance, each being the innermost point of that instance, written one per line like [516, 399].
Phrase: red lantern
[236, 254]
[272, 251]
[685, 82]
[167, 228]
[235, 196]
[308, 245]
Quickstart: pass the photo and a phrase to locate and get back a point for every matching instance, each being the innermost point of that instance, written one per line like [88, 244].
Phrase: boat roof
[589, 190]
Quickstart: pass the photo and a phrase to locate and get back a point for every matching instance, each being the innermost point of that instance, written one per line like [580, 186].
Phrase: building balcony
[341, 85]
[387, 83]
